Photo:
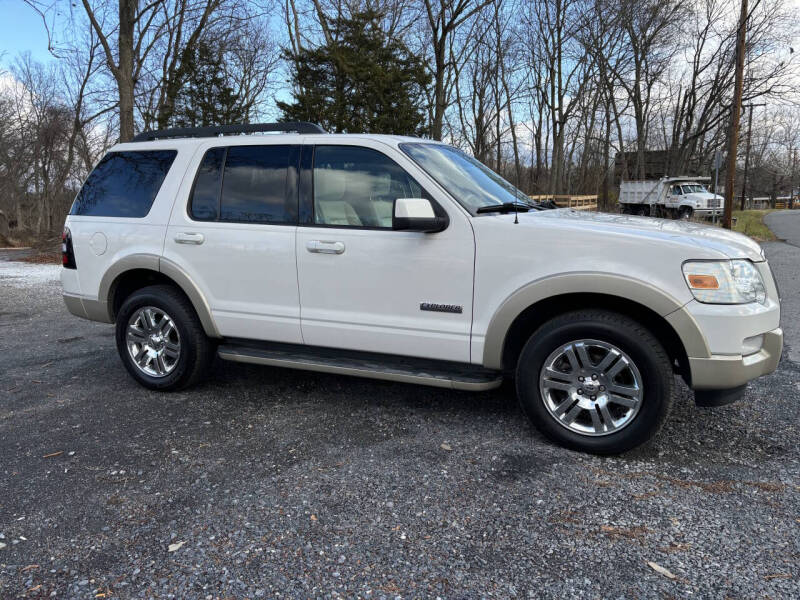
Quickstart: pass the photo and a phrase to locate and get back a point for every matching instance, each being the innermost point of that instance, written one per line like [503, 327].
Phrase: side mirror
[416, 214]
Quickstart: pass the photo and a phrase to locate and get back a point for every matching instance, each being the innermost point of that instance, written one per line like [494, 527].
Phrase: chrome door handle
[323, 247]
[189, 238]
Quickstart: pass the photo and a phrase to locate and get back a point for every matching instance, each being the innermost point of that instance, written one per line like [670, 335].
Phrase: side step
[438, 373]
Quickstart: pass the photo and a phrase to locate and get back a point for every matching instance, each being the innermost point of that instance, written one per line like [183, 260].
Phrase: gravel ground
[276, 483]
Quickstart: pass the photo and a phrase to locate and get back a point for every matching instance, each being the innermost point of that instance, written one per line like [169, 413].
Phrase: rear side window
[124, 184]
[205, 195]
[244, 184]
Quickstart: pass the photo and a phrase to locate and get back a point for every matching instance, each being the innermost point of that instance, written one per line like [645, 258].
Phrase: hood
[715, 239]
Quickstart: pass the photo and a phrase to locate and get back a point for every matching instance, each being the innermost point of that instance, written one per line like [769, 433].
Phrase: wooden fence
[566, 201]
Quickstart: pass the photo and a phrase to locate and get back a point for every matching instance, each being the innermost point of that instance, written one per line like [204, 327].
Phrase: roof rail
[190, 132]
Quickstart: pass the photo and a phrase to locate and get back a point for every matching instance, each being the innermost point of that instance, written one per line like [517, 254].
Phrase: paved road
[278, 483]
[14, 254]
[785, 224]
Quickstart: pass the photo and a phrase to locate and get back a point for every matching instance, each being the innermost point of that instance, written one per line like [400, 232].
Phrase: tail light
[67, 253]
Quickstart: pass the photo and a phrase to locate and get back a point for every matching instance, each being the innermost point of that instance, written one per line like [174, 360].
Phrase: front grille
[713, 203]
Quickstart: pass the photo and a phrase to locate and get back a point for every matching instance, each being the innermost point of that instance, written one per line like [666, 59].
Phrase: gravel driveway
[276, 483]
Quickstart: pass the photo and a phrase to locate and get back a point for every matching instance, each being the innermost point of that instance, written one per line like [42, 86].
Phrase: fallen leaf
[778, 576]
[176, 546]
[52, 454]
[445, 446]
[313, 517]
[28, 568]
[659, 569]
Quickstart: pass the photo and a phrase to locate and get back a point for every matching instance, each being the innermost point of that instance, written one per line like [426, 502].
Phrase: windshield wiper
[506, 207]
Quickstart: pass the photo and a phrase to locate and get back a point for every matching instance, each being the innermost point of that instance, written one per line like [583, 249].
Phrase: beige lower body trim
[724, 372]
[692, 338]
[201, 307]
[370, 374]
[94, 310]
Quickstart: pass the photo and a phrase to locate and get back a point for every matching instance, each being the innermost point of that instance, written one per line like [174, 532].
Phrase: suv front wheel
[160, 339]
[595, 381]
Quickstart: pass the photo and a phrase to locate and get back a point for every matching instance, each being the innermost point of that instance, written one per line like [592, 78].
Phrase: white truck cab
[405, 259]
[676, 197]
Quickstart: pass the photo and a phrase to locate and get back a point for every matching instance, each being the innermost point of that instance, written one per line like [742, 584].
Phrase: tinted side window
[357, 187]
[124, 184]
[205, 194]
[254, 185]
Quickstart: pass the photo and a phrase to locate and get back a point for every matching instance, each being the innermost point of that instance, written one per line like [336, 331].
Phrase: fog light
[752, 345]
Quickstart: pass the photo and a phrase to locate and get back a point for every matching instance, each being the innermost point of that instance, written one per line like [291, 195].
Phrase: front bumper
[708, 212]
[722, 372]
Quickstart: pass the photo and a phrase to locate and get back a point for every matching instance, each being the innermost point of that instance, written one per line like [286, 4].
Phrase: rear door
[364, 286]
[235, 237]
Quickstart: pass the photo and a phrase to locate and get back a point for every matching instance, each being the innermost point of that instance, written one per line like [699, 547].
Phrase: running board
[437, 373]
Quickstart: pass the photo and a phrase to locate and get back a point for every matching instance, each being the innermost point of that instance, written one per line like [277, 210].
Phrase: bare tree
[444, 18]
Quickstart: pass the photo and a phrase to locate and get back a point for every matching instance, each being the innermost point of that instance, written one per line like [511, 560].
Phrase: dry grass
[751, 223]
[43, 258]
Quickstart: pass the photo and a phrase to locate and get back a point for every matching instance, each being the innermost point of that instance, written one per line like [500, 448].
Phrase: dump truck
[670, 197]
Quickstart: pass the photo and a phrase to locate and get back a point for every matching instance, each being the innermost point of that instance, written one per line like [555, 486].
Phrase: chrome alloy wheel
[591, 387]
[153, 341]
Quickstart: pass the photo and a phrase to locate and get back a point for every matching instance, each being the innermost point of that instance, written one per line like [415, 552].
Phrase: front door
[366, 287]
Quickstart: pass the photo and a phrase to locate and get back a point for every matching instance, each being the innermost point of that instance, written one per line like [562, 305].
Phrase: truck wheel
[595, 381]
[160, 339]
[685, 212]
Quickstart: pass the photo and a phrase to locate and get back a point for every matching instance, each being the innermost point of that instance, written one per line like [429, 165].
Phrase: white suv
[405, 259]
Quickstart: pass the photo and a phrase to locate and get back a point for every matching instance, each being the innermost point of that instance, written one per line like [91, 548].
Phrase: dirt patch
[637, 533]
[43, 258]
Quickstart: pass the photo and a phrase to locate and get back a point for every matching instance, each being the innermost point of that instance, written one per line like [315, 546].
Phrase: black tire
[627, 335]
[685, 212]
[196, 349]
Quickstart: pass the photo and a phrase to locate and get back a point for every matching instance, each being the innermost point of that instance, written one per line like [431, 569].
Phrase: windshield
[695, 187]
[468, 180]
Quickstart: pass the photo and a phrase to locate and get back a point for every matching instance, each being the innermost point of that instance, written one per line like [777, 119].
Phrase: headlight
[725, 282]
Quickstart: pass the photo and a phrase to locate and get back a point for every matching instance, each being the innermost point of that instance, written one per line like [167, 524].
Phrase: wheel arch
[137, 271]
[531, 306]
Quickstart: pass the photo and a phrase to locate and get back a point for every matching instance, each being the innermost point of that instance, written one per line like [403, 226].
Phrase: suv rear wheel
[595, 381]
[160, 339]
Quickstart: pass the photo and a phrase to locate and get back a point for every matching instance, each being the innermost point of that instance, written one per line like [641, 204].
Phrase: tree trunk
[439, 102]
[124, 71]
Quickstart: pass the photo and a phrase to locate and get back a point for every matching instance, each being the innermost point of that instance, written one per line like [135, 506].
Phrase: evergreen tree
[362, 81]
[206, 98]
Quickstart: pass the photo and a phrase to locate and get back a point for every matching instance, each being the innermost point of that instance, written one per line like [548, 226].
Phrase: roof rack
[190, 132]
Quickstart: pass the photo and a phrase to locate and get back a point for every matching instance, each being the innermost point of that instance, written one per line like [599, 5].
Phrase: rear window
[124, 184]
[245, 184]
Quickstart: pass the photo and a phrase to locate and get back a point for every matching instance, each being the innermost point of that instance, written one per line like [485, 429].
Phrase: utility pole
[792, 184]
[747, 152]
[736, 109]
[717, 163]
